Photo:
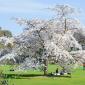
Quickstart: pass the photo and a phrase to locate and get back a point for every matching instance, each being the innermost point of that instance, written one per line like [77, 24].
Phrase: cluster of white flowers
[42, 43]
[29, 63]
[6, 40]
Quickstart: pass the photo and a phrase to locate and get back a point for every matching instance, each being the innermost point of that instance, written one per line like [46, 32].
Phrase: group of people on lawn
[62, 72]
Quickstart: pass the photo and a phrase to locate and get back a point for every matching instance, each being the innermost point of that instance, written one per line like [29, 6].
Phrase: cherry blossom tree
[42, 40]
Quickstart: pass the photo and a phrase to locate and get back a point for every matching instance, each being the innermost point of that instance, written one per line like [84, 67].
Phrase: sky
[30, 9]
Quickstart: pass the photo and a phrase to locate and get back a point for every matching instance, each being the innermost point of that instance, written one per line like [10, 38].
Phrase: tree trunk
[65, 27]
[45, 66]
[84, 66]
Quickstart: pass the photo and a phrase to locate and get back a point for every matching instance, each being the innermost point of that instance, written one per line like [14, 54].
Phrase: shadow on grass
[21, 76]
[26, 76]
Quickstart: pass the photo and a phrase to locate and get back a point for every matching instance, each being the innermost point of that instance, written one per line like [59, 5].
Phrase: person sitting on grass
[56, 70]
[62, 72]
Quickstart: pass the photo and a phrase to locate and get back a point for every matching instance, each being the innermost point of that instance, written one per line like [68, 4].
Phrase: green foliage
[2, 80]
[5, 33]
[1, 46]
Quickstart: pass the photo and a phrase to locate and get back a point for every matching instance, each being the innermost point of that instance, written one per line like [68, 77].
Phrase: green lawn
[78, 78]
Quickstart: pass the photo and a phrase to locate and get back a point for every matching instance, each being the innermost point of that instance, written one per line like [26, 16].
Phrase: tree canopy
[42, 40]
